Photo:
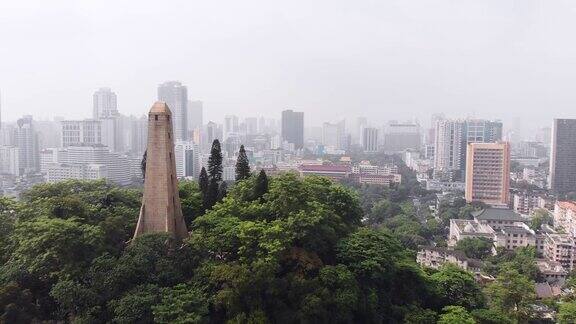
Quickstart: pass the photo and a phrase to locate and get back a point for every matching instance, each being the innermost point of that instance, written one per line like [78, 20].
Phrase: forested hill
[292, 251]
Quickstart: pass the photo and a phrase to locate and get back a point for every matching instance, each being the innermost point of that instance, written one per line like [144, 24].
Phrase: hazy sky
[384, 59]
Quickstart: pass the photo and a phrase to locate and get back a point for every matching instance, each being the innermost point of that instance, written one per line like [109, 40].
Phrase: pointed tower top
[160, 107]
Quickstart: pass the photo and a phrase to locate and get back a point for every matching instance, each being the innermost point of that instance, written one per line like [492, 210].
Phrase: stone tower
[161, 210]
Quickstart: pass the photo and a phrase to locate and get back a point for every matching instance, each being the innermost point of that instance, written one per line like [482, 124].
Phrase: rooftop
[571, 205]
[498, 214]
[324, 168]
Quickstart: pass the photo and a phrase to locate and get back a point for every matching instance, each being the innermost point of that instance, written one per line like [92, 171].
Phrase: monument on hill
[161, 210]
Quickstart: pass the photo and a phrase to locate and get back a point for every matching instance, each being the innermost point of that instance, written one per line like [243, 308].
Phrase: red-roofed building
[333, 171]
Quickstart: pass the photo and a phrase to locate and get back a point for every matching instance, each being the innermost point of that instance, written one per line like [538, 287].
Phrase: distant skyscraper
[334, 135]
[483, 131]
[105, 104]
[195, 115]
[187, 159]
[82, 132]
[451, 139]
[399, 137]
[488, 173]
[138, 135]
[563, 156]
[293, 128]
[230, 126]
[370, 139]
[9, 160]
[251, 125]
[161, 210]
[26, 140]
[175, 95]
[450, 146]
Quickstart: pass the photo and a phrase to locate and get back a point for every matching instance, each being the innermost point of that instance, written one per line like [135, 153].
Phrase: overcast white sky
[384, 59]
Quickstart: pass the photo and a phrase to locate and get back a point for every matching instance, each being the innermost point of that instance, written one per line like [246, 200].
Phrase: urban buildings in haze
[26, 140]
[370, 139]
[563, 156]
[104, 104]
[488, 173]
[195, 115]
[293, 128]
[175, 95]
[399, 137]
[451, 139]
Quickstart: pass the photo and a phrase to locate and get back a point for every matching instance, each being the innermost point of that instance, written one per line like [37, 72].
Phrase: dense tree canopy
[283, 249]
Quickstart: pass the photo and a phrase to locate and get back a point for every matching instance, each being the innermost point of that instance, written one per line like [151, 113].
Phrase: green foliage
[476, 248]
[282, 250]
[242, 165]
[52, 247]
[215, 162]
[512, 293]
[456, 315]
[181, 304]
[261, 186]
[540, 217]
[191, 200]
[9, 209]
[136, 305]
[567, 313]
[522, 259]
[457, 287]
[490, 316]
[417, 315]
[222, 192]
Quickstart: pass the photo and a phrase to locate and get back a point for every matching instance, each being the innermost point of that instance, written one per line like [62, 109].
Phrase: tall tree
[242, 165]
[261, 186]
[215, 161]
[203, 182]
[212, 194]
[222, 191]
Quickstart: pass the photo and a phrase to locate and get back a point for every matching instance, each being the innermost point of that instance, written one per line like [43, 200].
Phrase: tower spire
[161, 210]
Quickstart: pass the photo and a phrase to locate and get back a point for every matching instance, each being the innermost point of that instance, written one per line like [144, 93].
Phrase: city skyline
[498, 60]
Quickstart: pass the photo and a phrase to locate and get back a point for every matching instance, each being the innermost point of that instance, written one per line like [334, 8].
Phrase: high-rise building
[138, 135]
[449, 149]
[195, 115]
[334, 135]
[105, 104]
[9, 160]
[161, 210]
[483, 131]
[563, 156]
[488, 173]
[370, 139]
[26, 140]
[230, 126]
[213, 131]
[116, 166]
[83, 132]
[175, 95]
[293, 128]
[399, 137]
[251, 125]
[451, 139]
[187, 159]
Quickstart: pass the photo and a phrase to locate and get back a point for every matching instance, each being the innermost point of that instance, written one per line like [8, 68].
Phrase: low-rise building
[565, 216]
[560, 248]
[469, 228]
[552, 271]
[435, 257]
[498, 218]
